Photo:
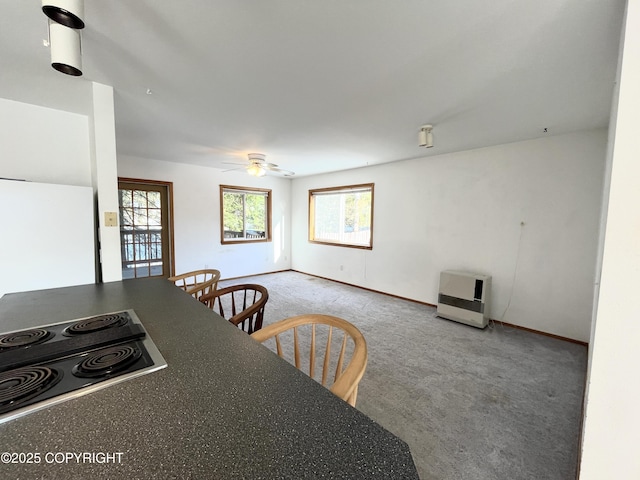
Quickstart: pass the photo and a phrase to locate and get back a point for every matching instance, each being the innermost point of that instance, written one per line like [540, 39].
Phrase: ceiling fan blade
[286, 173]
[233, 163]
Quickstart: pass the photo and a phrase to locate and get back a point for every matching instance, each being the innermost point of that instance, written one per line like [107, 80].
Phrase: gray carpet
[498, 403]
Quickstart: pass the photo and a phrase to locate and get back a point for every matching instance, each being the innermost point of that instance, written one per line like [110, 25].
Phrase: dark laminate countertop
[248, 414]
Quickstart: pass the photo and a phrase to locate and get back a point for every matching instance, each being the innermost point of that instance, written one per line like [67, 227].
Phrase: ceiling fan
[258, 166]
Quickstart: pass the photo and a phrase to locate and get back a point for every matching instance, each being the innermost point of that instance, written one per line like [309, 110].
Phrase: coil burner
[95, 324]
[22, 384]
[107, 361]
[24, 338]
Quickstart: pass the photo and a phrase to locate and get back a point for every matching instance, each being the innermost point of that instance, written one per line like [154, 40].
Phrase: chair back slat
[327, 357]
[296, 347]
[312, 352]
[233, 304]
[220, 306]
[341, 358]
[243, 296]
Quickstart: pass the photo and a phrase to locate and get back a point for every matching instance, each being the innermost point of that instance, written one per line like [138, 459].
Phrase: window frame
[238, 189]
[341, 189]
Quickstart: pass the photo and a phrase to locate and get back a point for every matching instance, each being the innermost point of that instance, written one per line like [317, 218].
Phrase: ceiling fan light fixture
[256, 170]
[425, 137]
[65, 12]
[66, 53]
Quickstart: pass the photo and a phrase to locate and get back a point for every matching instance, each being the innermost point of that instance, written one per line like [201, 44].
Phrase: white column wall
[105, 179]
[611, 433]
[464, 211]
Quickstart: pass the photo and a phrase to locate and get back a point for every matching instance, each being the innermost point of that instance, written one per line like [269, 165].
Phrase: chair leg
[353, 397]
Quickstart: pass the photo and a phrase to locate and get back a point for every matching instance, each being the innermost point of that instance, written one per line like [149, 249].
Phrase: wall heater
[464, 297]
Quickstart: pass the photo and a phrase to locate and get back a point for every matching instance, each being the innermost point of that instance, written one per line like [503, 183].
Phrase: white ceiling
[325, 85]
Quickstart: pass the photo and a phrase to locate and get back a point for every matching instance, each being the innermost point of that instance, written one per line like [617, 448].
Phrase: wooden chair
[347, 376]
[198, 282]
[243, 305]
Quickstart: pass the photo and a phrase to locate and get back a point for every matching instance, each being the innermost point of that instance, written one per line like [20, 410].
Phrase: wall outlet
[341, 267]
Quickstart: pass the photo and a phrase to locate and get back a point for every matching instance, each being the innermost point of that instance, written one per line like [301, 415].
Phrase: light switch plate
[110, 219]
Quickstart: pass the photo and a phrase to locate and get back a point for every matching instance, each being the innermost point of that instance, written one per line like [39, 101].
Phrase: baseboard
[256, 274]
[367, 289]
[539, 332]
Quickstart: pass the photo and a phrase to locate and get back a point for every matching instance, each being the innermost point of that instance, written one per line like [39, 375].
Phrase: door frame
[169, 189]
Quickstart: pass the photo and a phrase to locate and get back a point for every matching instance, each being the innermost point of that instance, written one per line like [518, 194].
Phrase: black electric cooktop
[46, 365]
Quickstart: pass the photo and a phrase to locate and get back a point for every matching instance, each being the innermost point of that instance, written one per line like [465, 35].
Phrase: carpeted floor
[495, 404]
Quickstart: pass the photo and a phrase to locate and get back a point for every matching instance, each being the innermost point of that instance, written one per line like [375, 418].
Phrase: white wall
[463, 211]
[196, 206]
[611, 432]
[43, 145]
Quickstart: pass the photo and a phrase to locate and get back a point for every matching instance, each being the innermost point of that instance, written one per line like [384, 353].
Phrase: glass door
[145, 232]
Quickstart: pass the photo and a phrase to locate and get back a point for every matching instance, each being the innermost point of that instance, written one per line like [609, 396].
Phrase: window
[342, 216]
[245, 214]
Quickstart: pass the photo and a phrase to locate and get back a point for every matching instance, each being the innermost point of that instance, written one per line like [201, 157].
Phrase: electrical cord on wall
[513, 280]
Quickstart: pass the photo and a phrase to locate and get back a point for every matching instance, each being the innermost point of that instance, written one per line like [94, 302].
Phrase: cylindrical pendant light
[66, 55]
[69, 13]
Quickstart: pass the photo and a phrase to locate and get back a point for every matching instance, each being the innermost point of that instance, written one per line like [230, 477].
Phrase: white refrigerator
[47, 236]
